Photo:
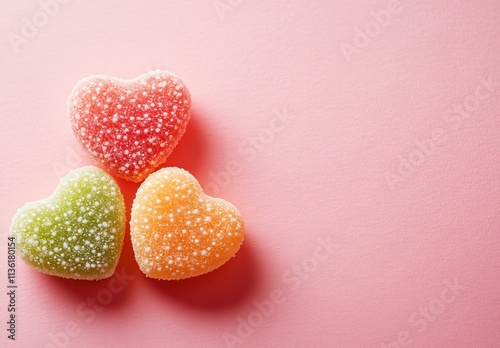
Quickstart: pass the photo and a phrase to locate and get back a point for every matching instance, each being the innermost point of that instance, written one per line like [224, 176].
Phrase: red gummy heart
[130, 126]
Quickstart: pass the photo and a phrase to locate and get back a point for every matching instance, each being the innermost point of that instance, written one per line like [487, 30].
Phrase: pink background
[357, 117]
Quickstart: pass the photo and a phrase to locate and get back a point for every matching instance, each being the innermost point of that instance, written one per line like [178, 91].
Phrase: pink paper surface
[367, 138]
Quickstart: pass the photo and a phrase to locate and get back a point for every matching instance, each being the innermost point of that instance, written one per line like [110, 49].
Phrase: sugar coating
[130, 126]
[78, 231]
[179, 232]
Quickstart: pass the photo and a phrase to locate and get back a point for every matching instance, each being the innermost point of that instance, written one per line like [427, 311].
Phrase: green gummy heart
[78, 231]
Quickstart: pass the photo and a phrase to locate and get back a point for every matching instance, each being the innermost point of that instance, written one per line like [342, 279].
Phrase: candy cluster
[130, 128]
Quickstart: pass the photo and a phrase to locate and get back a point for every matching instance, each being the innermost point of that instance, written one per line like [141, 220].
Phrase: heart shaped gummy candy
[179, 232]
[130, 126]
[78, 231]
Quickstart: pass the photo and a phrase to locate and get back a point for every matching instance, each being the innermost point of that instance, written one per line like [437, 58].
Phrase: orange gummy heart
[178, 231]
